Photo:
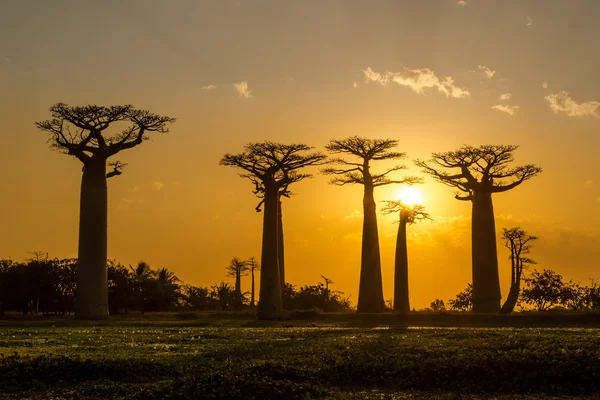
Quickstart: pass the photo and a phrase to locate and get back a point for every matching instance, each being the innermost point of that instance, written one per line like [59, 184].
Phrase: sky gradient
[432, 74]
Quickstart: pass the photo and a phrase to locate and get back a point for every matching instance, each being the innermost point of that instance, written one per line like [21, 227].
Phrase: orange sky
[306, 72]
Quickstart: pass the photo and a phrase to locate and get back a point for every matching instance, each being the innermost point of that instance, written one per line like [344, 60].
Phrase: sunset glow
[410, 196]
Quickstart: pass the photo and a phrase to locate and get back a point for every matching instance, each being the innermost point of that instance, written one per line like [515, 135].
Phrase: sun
[409, 196]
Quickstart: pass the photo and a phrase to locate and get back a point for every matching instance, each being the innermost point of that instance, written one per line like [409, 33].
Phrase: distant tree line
[544, 290]
[48, 286]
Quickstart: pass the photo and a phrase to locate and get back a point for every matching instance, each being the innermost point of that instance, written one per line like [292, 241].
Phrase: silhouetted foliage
[315, 297]
[370, 292]
[437, 305]
[543, 289]
[479, 172]
[463, 300]
[83, 132]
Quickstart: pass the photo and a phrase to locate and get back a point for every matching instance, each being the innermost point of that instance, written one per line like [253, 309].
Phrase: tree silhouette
[370, 293]
[272, 168]
[408, 215]
[253, 265]
[463, 300]
[482, 171]
[82, 132]
[236, 269]
[543, 289]
[519, 243]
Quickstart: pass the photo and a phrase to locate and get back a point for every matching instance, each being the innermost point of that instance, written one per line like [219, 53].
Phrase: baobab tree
[82, 132]
[370, 292]
[519, 243]
[272, 168]
[479, 173]
[409, 214]
[236, 269]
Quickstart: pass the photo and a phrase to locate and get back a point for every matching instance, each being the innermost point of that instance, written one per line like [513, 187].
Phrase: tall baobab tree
[236, 269]
[272, 167]
[479, 172]
[82, 132]
[253, 268]
[409, 214]
[519, 243]
[370, 292]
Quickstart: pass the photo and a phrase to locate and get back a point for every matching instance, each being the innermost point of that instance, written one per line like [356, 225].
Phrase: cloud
[242, 89]
[126, 203]
[588, 182]
[461, 2]
[418, 80]
[487, 71]
[208, 88]
[157, 185]
[136, 188]
[354, 214]
[562, 102]
[354, 85]
[507, 109]
[545, 85]
[529, 22]
[598, 199]
[505, 96]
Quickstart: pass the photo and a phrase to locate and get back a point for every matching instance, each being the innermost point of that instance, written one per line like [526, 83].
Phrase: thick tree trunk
[92, 291]
[269, 301]
[513, 294]
[280, 245]
[486, 282]
[401, 300]
[370, 291]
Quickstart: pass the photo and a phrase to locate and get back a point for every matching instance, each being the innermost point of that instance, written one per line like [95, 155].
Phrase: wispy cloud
[588, 182]
[354, 214]
[126, 203]
[487, 71]
[507, 109]
[529, 22]
[418, 80]
[157, 185]
[208, 88]
[461, 2]
[562, 102]
[505, 96]
[354, 85]
[545, 85]
[242, 89]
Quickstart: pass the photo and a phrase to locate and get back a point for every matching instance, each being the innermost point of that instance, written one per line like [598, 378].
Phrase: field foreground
[296, 362]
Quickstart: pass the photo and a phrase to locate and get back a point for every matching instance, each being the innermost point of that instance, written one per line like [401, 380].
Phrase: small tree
[463, 300]
[543, 289]
[575, 297]
[437, 305]
[519, 243]
[236, 269]
[409, 214]
[272, 167]
[370, 291]
[479, 172]
[82, 132]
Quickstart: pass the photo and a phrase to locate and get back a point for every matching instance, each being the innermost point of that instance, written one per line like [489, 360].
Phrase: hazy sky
[432, 74]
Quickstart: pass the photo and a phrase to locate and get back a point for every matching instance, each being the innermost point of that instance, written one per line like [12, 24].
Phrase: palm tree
[143, 275]
[169, 285]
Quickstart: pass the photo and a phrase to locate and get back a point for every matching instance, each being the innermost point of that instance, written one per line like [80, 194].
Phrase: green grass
[157, 358]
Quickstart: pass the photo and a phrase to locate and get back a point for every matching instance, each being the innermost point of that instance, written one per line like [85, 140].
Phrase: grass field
[219, 358]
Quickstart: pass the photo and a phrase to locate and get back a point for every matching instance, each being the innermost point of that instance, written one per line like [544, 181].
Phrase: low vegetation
[295, 361]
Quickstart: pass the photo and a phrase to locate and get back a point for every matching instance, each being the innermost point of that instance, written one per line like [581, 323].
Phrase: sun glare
[409, 196]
